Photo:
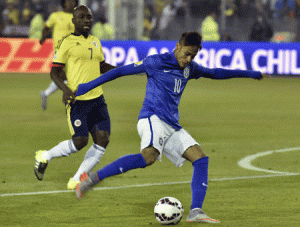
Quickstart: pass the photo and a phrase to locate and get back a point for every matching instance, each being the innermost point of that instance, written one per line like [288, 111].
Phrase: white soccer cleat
[87, 182]
[197, 215]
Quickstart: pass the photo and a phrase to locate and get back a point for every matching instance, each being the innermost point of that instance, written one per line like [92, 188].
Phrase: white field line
[246, 162]
[148, 185]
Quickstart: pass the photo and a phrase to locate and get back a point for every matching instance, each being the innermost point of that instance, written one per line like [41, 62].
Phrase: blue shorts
[88, 116]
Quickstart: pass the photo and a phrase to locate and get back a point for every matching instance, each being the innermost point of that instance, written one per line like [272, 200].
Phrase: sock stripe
[98, 147]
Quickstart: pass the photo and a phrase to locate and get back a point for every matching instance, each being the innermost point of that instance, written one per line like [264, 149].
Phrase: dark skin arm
[57, 77]
[45, 33]
[104, 67]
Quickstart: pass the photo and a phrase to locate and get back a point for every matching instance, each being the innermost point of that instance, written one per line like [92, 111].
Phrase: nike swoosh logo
[121, 169]
[205, 185]
[166, 71]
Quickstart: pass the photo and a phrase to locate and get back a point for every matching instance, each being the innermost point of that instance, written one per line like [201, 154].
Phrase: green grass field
[231, 119]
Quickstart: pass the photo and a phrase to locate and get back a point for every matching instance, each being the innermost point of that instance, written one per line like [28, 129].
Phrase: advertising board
[28, 56]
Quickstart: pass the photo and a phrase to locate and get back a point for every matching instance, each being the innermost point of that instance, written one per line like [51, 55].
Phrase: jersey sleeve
[131, 69]
[61, 53]
[218, 73]
[51, 21]
[102, 59]
[152, 63]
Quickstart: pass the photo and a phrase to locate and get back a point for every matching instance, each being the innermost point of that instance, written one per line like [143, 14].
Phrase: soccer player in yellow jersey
[82, 55]
[60, 24]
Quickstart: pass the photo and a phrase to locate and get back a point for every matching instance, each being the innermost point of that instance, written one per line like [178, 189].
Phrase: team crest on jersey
[77, 123]
[186, 72]
[138, 63]
[55, 54]
[95, 44]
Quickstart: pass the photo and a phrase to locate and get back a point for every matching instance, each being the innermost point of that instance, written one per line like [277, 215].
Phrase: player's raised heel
[40, 165]
[197, 215]
[87, 182]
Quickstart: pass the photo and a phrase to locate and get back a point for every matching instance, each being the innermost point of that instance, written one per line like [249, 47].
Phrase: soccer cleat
[197, 215]
[72, 184]
[40, 165]
[44, 100]
[87, 182]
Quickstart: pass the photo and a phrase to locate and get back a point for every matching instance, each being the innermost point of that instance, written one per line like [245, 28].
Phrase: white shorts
[165, 139]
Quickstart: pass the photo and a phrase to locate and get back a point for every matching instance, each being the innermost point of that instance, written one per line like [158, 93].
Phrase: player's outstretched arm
[110, 75]
[105, 67]
[219, 73]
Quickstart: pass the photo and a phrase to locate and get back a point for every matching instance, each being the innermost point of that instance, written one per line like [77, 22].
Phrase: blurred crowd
[159, 15]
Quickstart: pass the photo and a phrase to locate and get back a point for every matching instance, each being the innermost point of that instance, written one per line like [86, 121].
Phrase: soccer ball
[168, 211]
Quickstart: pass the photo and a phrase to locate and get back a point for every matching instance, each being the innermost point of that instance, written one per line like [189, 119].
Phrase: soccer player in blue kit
[158, 124]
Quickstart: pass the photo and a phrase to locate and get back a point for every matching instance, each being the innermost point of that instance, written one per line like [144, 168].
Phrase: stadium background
[248, 128]
[235, 17]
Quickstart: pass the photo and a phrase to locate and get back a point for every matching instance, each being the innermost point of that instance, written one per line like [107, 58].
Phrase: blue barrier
[271, 58]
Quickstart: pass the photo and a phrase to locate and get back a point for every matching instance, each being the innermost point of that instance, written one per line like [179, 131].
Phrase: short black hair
[62, 3]
[81, 7]
[191, 39]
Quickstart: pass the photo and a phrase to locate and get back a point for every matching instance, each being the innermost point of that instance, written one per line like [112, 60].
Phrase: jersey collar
[173, 60]
[80, 35]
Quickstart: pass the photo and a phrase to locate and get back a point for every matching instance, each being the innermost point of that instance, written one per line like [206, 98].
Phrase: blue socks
[135, 161]
[122, 165]
[199, 182]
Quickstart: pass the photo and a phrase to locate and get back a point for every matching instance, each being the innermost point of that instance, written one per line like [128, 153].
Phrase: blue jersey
[166, 83]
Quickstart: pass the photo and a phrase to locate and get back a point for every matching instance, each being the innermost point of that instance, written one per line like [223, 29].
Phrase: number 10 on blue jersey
[177, 85]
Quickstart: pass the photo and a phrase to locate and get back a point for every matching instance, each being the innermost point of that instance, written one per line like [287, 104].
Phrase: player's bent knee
[101, 138]
[80, 142]
[150, 155]
[194, 153]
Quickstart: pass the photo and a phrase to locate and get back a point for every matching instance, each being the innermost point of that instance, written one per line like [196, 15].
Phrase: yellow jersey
[61, 24]
[82, 57]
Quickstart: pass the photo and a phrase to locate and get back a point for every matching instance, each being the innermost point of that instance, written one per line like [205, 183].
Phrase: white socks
[91, 159]
[64, 148]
